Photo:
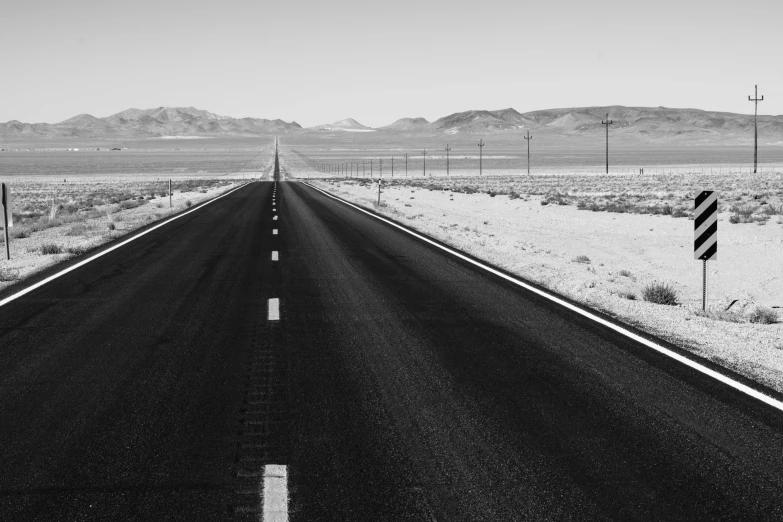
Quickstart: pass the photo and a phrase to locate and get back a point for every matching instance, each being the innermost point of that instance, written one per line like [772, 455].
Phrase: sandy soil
[626, 252]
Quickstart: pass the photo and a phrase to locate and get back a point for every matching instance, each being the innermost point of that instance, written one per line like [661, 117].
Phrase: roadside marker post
[8, 216]
[169, 194]
[379, 193]
[705, 224]
[527, 139]
[424, 166]
[447, 159]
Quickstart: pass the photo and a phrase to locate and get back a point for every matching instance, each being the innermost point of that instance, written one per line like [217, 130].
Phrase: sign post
[8, 216]
[705, 223]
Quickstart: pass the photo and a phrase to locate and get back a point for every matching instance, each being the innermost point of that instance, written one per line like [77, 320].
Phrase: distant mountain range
[634, 122]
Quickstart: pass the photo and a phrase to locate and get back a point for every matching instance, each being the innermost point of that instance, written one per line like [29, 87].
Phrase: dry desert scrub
[752, 198]
[56, 221]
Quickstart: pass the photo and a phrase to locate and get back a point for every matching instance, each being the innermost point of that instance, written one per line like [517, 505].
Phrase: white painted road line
[274, 231]
[275, 493]
[274, 309]
[665, 351]
[71, 268]
[274, 218]
[275, 256]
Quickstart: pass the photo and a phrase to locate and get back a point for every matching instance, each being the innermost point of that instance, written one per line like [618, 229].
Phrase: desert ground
[603, 239]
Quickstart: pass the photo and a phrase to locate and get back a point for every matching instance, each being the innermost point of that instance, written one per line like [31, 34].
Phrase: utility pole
[424, 167]
[481, 149]
[755, 101]
[447, 159]
[527, 139]
[370, 169]
[607, 123]
[406, 164]
[392, 166]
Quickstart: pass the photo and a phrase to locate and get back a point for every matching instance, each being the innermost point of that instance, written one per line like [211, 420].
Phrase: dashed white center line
[275, 501]
[275, 257]
[274, 309]
[274, 218]
[274, 231]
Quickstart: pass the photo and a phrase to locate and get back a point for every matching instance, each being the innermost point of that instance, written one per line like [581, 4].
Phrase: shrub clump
[762, 315]
[660, 293]
[50, 248]
[581, 259]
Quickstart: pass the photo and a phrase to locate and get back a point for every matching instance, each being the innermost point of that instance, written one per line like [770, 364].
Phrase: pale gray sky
[317, 61]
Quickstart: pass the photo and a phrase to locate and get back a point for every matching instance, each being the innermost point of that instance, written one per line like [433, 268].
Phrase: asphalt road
[398, 383]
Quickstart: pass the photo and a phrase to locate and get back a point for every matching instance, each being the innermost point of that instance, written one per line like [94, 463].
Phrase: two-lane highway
[340, 369]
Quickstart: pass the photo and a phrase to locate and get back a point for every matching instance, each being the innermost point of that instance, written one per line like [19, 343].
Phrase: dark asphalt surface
[399, 384]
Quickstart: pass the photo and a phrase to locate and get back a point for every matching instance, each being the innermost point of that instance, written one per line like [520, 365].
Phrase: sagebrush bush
[762, 315]
[50, 248]
[581, 259]
[660, 293]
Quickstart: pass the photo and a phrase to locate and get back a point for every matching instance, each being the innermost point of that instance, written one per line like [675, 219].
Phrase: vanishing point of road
[280, 355]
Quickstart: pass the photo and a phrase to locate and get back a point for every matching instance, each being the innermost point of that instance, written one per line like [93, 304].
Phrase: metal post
[607, 123]
[527, 139]
[424, 167]
[755, 101]
[447, 159]
[481, 148]
[704, 289]
[379, 192]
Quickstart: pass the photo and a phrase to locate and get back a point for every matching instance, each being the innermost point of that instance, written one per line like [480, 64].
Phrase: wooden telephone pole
[755, 101]
[607, 123]
[481, 149]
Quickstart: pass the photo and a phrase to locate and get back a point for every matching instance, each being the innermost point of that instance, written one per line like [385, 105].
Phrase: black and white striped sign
[705, 222]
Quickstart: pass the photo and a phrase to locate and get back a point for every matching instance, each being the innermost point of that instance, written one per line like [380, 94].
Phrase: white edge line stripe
[275, 256]
[51, 278]
[677, 357]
